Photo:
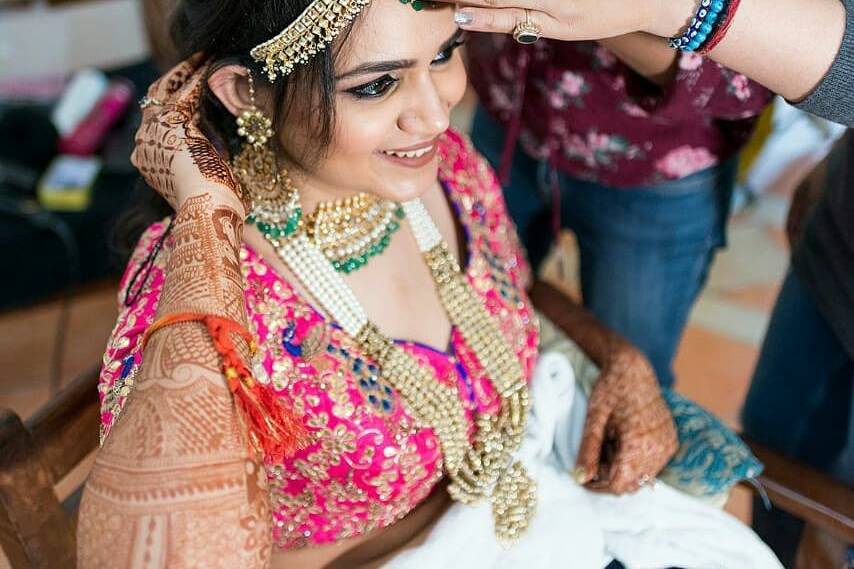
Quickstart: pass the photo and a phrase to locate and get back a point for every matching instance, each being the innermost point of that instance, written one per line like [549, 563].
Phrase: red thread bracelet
[721, 30]
[273, 429]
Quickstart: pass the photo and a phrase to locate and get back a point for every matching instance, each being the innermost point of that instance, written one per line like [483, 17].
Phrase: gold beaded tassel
[477, 469]
[434, 405]
[513, 492]
[476, 324]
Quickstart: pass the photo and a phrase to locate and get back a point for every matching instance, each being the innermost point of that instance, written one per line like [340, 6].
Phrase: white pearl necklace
[310, 265]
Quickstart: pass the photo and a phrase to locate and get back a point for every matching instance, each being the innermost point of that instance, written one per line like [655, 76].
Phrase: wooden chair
[36, 530]
[819, 500]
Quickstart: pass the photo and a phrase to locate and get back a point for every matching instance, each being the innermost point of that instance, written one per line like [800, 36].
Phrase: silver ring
[147, 101]
[527, 32]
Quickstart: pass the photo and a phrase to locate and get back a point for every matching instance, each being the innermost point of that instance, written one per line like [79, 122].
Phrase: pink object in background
[90, 134]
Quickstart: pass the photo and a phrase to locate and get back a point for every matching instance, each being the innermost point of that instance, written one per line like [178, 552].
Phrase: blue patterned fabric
[711, 458]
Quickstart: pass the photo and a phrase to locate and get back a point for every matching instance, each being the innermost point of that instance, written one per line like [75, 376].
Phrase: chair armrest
[35, 532]
[65, 429]
[806, 493]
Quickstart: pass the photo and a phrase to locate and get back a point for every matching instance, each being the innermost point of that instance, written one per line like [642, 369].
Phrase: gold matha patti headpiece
[314, 29]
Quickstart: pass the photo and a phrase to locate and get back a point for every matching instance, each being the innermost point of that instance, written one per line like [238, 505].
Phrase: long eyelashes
[446, 54]
[376, 88]
[382, 85]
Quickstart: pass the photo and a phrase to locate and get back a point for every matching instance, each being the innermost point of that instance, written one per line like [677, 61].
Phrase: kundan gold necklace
[480, 468]
[353, 230]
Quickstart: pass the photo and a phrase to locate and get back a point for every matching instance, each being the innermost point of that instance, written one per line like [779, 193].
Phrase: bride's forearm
[594, 338]
[174, 485]
[203, 269]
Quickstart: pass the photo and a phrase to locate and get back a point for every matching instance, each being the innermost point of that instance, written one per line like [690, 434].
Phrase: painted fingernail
[462, 18]
[579, 474]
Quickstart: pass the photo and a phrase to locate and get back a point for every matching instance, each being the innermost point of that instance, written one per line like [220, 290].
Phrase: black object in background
[34, 262]
[28, 143]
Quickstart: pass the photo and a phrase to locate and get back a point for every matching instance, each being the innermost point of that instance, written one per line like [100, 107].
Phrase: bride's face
[398, 76]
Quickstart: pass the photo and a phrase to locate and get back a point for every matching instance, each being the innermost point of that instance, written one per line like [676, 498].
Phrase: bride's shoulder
[148, 257]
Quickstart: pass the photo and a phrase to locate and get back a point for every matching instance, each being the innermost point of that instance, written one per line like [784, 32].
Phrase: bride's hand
[173, 155]
[577, 19]
[626, 410]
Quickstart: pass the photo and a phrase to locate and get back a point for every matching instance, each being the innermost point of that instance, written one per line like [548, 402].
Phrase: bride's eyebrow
[393, 65]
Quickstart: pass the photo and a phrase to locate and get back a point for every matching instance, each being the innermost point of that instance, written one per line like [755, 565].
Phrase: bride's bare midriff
[371, 550]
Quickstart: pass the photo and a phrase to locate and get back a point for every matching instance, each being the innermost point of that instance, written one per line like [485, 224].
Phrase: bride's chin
[412, 187]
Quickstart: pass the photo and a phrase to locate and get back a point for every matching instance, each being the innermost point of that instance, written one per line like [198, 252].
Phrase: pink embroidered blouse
[369, 463]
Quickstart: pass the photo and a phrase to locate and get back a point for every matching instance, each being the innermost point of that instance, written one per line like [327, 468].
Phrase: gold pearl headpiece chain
[313, 30]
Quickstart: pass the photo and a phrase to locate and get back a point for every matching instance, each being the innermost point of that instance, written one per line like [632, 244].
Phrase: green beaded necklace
[352, 231]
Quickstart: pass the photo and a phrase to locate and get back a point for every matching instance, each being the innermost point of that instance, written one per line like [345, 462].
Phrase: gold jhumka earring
[275, 208]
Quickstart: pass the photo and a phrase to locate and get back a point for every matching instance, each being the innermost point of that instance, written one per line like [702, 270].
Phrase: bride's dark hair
[226, 31]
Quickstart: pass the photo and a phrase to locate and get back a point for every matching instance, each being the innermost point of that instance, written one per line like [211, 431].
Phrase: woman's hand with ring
[576, 19]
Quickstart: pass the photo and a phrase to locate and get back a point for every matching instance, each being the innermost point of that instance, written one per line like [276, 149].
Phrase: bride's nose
[428, 114]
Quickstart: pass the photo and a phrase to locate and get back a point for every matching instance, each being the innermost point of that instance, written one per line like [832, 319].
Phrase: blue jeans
[800, 398]
[645, 252]
[800, 403]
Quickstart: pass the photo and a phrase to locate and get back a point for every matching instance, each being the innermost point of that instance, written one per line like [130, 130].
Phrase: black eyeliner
[450, 46]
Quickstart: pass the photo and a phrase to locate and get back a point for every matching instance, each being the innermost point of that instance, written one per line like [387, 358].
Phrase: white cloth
[655, 528]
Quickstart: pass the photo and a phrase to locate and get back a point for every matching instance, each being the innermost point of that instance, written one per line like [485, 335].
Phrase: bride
[327, 356]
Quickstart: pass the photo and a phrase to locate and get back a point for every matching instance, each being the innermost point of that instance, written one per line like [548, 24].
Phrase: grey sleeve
[833, 98]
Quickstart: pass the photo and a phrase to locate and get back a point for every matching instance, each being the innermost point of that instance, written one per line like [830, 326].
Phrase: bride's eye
[375, 89]
[446, 54]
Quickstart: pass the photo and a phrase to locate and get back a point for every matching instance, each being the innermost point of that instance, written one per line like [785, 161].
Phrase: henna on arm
[175, 484]
[203, 268]
[597, 341]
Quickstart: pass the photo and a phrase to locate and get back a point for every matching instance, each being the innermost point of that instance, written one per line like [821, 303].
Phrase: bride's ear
[230, 84]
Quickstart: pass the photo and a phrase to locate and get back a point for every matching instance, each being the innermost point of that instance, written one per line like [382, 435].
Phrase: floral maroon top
[578, 106]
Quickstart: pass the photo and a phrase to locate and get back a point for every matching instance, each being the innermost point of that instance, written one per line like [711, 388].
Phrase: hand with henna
[629, 435]
[180, 163]
[173, 155]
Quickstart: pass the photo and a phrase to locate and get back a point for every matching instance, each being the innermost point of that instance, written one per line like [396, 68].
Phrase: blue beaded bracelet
[701, 27]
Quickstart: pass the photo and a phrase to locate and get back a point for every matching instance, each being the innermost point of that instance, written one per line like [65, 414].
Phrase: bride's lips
[414, 156]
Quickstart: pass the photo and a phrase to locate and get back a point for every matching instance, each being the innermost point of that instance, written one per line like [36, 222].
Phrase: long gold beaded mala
[477, 469]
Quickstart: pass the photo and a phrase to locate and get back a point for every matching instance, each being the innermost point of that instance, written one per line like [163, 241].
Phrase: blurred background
[71, 73]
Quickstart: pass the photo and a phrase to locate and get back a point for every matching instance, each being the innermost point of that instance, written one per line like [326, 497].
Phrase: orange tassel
[273, 429]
